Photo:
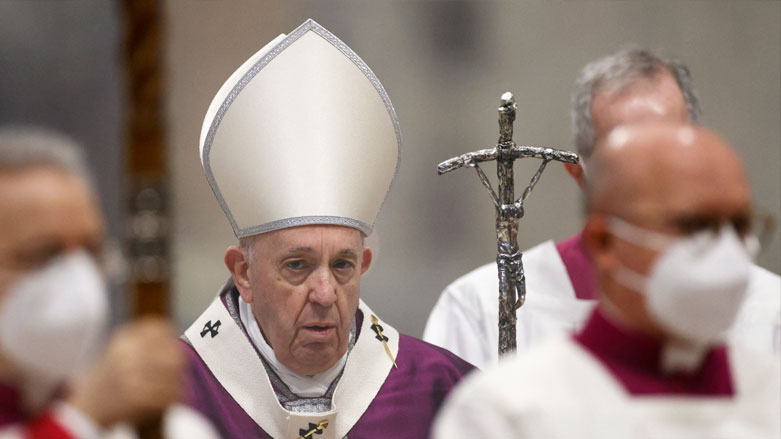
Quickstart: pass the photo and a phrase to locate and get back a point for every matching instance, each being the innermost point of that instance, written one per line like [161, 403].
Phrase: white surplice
[560, 390]
[465, 318]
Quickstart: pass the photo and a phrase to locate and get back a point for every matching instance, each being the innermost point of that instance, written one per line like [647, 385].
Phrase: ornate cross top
[509, 211]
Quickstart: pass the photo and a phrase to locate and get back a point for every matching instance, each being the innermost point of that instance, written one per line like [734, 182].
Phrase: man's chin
[314, 358]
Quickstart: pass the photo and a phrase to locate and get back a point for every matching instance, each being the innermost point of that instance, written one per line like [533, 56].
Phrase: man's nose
[322, 289]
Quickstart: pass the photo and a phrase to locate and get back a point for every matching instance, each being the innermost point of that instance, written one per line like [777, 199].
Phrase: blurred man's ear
[576, 172]
[237, 261]
[599, 242]
[366, 260]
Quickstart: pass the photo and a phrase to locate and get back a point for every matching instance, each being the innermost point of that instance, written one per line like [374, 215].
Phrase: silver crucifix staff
[512, 282]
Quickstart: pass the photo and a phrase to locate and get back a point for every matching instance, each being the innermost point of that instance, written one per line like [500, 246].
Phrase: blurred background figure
[57, 380]
[668, 228]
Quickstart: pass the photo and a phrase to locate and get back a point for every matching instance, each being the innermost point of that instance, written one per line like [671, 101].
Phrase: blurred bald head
[661, 168]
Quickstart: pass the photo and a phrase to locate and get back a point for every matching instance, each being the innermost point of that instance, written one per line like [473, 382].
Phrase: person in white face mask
[59, 376]
[668, 230]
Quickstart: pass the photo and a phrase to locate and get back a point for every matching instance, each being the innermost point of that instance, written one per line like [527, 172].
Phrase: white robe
[465, 319]
[559, 390]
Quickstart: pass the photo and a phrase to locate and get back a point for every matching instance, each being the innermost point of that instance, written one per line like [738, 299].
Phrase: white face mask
[696, 285]
[53, 319]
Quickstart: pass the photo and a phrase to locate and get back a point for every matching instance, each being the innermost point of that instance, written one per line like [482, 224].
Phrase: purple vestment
[635, 360]
[404, 407]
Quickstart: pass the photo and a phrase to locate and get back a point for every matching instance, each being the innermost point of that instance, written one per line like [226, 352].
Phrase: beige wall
[444, 65]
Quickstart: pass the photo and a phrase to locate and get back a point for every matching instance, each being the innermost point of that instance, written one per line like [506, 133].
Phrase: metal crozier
[512, 281]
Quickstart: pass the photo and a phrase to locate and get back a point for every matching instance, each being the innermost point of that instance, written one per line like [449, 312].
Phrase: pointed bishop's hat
[302, 133]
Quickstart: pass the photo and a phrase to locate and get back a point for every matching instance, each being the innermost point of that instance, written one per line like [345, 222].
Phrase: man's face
[695, 197]
[44, 213]
[304, 286]
[676, 185]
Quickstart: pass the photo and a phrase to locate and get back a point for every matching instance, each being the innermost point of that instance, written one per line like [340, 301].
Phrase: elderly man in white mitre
[300, 146]
[668, 229]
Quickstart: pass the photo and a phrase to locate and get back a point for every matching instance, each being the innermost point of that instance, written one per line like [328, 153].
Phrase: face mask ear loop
[623, 275]
[629, 278]
[638, 235]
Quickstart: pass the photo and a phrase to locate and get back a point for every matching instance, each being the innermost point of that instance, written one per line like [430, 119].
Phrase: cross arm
[468, 159]
[514, 152]
[547, 154]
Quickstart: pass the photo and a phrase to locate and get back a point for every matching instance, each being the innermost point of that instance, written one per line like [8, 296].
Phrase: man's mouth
[319, 329]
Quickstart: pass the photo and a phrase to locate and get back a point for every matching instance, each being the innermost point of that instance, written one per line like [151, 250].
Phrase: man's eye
[690, 226]
[343, 264]
[96, 250]
[37, 259]
[295, 265]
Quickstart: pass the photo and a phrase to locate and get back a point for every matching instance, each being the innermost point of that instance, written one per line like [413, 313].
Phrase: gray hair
[614, 73]
[247, 244]
[27, 147]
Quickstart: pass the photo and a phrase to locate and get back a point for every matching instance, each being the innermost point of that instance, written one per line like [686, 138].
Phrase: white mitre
[302, 133]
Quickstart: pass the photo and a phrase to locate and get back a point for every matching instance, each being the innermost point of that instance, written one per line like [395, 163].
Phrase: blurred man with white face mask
[668, 229]
[54, 380]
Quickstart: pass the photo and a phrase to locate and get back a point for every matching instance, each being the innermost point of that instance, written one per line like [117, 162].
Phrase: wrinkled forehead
[310, 237]
[665, 171]
[43, 187]
[691, 194]
[45, 203]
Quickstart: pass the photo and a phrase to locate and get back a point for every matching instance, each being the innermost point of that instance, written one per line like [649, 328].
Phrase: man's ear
[599, 241]
[366, 260]
[576, 172]
[237, 261]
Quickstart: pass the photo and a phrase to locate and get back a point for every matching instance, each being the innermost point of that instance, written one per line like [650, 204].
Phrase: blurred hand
[137, 377]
